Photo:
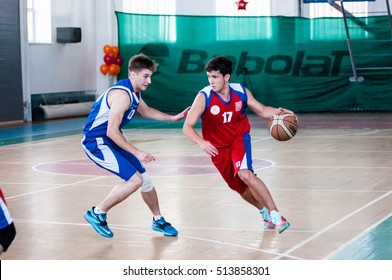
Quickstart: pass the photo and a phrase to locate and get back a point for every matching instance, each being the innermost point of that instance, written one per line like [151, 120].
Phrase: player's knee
[245, 175]
[135, 181]
[147, 183]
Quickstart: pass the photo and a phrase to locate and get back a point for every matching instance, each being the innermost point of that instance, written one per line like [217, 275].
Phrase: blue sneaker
[162, 226]
[98, 221]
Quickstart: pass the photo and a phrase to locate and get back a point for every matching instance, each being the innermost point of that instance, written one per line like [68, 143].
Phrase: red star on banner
[241, 5]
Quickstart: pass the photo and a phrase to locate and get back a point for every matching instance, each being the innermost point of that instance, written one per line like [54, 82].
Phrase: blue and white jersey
[97, 121]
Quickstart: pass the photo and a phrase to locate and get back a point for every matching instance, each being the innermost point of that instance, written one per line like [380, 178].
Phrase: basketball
[283, 126]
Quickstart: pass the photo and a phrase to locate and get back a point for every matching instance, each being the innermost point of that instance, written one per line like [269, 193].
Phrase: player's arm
[119, 102]
[262, 110]
[154, 114]
[188, 128]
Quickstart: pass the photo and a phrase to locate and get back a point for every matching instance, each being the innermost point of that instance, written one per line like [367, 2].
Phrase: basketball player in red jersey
[225, 136]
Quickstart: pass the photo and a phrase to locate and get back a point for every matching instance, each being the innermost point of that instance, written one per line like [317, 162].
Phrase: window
[335, 30]
[253, 8]
[318, 10]
[164, 27]
[162, 7]
[39, 27]
[251, 26]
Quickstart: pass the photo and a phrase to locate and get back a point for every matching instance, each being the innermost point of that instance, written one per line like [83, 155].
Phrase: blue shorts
[108, 155]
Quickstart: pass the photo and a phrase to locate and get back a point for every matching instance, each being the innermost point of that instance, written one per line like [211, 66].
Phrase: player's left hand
[181, 115]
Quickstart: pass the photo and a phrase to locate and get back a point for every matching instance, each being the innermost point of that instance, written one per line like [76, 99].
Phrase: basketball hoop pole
[355, 77]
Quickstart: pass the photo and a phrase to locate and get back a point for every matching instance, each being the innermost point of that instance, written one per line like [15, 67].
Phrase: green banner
[297, 63]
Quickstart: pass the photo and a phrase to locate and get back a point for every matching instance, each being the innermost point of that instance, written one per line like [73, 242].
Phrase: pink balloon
[118, 60]
[109, 59]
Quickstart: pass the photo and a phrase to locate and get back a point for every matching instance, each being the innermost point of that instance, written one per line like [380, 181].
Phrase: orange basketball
[283, 126]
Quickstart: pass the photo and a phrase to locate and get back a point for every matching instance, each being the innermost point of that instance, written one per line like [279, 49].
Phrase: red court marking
[162, 166]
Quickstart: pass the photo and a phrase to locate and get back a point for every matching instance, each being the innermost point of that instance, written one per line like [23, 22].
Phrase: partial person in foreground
[225, 136]
[7, 227]
[105, 144]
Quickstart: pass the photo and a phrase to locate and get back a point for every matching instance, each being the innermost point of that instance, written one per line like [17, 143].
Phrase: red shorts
[233, 159]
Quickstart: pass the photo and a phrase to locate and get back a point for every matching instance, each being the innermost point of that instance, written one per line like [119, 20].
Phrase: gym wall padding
[298, 63]
[56, 111]
[11, 92]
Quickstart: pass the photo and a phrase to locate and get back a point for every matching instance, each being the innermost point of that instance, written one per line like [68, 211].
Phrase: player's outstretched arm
[154, 114]
[263, 111]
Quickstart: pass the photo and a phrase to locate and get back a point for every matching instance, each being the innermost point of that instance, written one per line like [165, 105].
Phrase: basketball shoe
[281, 224]
[162, 226]
[98, 222]
[267, 218]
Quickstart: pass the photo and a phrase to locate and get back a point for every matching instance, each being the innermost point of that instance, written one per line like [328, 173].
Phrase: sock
[98, 211]
[157, 217]
[276, 217]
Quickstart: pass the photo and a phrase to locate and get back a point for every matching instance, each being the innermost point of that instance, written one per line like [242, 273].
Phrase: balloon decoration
[112, 61]
[241, 5]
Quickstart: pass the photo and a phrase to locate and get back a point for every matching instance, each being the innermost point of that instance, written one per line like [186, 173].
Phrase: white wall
[65, 67]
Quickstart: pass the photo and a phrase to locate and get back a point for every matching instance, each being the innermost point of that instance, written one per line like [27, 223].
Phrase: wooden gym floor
[333, 182]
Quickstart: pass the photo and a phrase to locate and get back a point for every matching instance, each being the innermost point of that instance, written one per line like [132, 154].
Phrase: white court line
[341, 248]
[324, 230]
[53, 188]
[126, 228]
[332, 167]
[375, 131]
[32, 142]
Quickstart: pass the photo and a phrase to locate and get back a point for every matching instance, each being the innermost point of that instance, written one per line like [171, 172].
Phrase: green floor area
[370, 245]
[60, 128]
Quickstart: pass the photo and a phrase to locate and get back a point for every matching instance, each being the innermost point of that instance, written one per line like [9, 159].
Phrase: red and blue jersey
[225, 121]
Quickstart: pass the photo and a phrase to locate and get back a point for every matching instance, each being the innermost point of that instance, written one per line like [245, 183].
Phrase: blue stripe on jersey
[237, 88]
[97, 121]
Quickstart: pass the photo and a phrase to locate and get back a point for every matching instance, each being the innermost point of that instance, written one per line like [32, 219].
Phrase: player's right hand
[144, 157]
[207, 147]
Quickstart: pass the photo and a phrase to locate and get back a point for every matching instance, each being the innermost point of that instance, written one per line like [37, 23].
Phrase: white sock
[157, 217]
[276, 217]
[98, 211]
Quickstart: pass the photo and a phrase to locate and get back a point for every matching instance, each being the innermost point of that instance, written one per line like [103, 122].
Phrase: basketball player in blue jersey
[106, 145]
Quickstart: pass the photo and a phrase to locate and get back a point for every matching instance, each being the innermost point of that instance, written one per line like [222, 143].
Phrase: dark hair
[222, 64]
[140, 61]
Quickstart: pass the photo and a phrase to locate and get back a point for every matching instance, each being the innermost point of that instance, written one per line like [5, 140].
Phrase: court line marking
[366, 231]
[324, 230]
[95, 178]
[333, 167]
[126, 228]
[54, 188]
[375, 131]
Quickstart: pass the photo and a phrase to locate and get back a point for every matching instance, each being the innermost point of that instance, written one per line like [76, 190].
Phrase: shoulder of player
[119, 93]
[206, 90]
[119, 96]
[237, 87]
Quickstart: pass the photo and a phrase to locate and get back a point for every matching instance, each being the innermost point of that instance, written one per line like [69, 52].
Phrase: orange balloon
[104, 69]
[114, 50]
[107, 49]
[117, 69]
[114, 69]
